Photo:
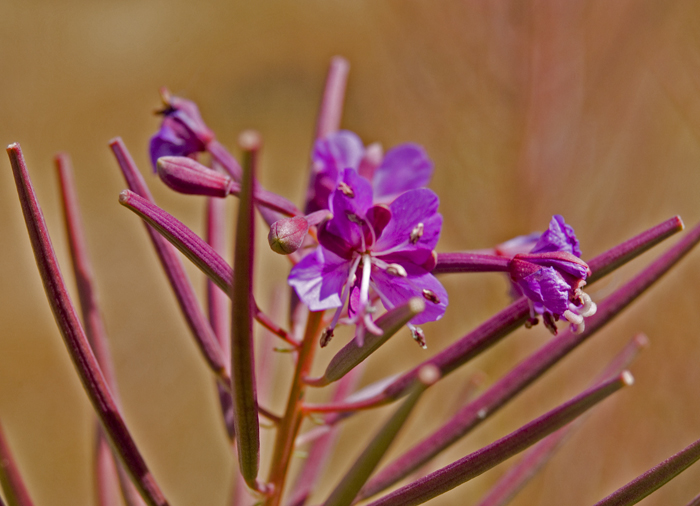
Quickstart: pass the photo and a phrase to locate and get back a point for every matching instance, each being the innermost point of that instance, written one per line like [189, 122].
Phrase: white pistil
[364, 287]
[572, 317]
[328, 333]
[589, 307]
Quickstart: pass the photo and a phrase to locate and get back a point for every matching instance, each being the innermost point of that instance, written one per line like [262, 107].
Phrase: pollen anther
[430, 295]
[416, 233]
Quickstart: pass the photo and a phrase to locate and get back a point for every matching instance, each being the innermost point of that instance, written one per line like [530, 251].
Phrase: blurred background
[528, 108]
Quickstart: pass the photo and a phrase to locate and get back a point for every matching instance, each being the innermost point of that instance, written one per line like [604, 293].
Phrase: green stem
[293, 415]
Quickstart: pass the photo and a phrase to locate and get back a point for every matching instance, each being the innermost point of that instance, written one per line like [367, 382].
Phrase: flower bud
[182, 132]
[185, 175]
[287, 235]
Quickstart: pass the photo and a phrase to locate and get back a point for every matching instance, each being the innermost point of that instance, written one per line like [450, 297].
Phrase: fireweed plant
[362, 255]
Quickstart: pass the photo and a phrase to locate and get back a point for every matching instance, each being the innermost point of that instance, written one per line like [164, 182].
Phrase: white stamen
[416, 233]
[396, 270]
[418, 335]
[430, 296]
[347, 191]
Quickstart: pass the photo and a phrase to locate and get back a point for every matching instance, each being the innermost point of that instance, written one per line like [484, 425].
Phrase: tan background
[588, 109]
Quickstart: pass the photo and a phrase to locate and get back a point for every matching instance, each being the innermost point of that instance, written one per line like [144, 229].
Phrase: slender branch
[75, 339]
[195, 249]
[529, 370]
[501, 324]
[536, 457]
[654, 478]
[470, 262]
[13, 486]
[479, 462]
[355, 478]
[175, 271]
[293, 415]
[94, 326]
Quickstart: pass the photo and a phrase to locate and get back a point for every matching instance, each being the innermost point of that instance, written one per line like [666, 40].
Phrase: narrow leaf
[217, 305]
[322, 447]
[108, 472]
[74, 337]
[175, 271]
[530, 369]
[479, 462]
[245, 403]
[353, 354]
[536, 457]
[194, 248]
[346, 491]
[654, 478]
[13, 486]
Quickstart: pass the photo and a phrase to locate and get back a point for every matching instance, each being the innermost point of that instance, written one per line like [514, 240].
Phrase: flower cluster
[368, 235]
[551, 275]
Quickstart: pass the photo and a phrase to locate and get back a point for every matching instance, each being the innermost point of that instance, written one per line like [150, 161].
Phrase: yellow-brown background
[588, 109]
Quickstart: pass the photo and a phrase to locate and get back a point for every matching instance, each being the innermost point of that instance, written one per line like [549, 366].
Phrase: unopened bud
[185, 175]
[287, 235]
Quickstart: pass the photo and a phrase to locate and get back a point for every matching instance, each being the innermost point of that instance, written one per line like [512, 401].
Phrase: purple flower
[182, 132]
[551, 276]
[386, 248]
[405, 167]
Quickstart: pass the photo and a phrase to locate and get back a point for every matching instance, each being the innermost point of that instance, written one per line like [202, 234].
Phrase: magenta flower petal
[331, 156]
[319, 278]
[548, 288]
[558, 237]
[405, 167]
[415, 222]
[395, 291]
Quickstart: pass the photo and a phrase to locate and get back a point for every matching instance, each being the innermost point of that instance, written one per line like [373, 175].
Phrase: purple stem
[530, 369]
[245, 402]
[322, 447]
[270, 200]
[654, 478]
[175, 271]
[106, 478]
[607, 262]
[331, 110]
[490, 456]
[92, 319]
[222, 156]
[195, 249]
[360, 471]
[695, 501]
[470, 262]
[504, 322]
[12, 484]
[217, 304]
[333, 97]
[274, 204]
[534, 459]
[75, 339]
